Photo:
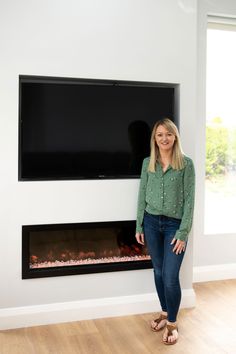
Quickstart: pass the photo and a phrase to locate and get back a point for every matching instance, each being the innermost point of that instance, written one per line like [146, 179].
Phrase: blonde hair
[177, 161]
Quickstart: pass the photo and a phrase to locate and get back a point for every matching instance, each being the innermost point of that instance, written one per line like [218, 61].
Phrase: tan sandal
[157, 321]
[170, 329]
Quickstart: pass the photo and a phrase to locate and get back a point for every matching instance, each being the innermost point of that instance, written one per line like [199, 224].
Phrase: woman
[164, 218]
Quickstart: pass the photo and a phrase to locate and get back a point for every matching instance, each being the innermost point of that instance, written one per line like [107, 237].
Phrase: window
[220, 183]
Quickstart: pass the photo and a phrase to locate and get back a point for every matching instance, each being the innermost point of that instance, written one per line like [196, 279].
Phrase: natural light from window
[220, 183]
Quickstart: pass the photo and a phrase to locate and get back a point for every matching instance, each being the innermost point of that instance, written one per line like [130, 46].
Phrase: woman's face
[164, 139]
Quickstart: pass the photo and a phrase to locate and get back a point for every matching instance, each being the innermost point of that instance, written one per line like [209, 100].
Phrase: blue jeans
[159, 231]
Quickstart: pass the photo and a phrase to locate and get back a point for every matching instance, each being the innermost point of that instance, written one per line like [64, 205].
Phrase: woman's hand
[179, 246]
[140, 238]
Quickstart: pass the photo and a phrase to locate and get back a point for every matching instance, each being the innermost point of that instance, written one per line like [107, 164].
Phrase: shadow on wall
[139, 137]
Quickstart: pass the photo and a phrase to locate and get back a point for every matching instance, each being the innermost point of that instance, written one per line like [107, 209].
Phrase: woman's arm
[142, 196]
[189, 193]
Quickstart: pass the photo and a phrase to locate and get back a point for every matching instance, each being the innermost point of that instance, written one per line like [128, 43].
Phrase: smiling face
[164, 138]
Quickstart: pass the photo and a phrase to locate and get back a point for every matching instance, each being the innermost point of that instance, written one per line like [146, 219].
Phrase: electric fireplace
[80, 248]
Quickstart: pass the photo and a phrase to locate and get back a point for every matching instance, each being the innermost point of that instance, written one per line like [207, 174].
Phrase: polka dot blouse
[169, 193]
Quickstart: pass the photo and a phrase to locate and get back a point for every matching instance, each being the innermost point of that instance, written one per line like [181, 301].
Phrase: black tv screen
[87, 129]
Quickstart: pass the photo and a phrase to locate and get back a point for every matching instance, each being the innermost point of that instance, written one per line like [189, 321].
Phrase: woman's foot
[160, 322]
[170, 335]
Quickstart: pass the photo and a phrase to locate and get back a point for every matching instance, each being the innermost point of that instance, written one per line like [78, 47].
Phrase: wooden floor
[210, 327]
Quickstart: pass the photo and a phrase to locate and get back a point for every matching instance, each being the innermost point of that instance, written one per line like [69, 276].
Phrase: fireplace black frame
[28, 273]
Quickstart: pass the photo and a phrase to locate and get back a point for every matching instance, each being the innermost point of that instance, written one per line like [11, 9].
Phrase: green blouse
[169, 193]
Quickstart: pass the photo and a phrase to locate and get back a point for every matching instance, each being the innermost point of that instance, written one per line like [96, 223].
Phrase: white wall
[119, 39]
[208, 249]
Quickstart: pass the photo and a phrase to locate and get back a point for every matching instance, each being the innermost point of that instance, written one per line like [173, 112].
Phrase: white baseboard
[107, 307]
[214, 272]
[86, 309]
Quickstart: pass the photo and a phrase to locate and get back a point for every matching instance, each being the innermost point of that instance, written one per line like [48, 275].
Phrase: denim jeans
[159, 231]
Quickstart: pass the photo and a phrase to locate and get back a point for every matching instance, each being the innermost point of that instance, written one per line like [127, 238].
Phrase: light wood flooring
[209, 328]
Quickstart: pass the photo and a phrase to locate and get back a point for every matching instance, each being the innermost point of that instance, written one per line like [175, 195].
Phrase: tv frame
[86, 81]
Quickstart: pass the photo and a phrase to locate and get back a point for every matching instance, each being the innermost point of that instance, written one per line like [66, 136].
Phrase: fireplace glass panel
[50, 250]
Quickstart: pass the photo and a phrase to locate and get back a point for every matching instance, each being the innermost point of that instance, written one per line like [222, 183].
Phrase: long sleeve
[189, 193]
[142, 196]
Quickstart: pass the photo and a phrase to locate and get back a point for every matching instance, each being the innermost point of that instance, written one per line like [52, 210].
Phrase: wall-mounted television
[88, 129]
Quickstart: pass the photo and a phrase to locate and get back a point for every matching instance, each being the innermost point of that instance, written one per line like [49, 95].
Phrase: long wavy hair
[177, 160]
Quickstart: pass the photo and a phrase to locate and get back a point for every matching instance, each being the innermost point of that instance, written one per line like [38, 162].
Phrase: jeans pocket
[172, 222]
[150, 222]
